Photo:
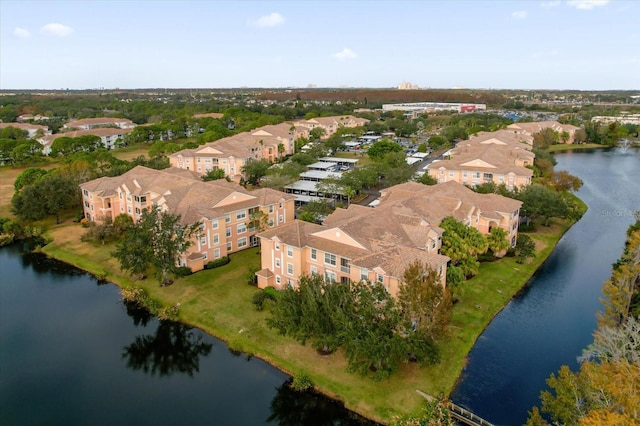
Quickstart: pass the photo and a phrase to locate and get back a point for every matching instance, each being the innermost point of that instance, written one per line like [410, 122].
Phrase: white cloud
[587, 4]
[519, 14]
[21, 32]
[268, 21]
[550, 4]
[345, 54]
[57, 30]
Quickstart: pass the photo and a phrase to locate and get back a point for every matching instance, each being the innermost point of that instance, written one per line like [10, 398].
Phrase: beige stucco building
[538, 126]
[332, 124]
[502, 157]
[231, 153]
[226, 210]
[362, 243]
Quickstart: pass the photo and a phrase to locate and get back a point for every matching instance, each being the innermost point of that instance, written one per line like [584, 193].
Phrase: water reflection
[42, 264]
[174, 348]
[140, 315]
[294, 408]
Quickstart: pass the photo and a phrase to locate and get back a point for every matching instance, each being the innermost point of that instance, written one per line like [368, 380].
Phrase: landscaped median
[219, 301]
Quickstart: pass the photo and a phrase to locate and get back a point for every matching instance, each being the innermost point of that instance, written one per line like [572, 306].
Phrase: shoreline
[276, 356]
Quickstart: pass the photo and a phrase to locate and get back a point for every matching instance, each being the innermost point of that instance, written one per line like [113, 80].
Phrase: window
[280, 205]
[280, 219]
[85, 192]
[129, 209]
[344, 265]
[227, 218]
[229, 246]
[228, 232]
[203, 240]
[214, 224]
[364, 274]
[314, 254]
[380, 278]
[476, 175]
[330, 259]
[289, 268]
[314, 270]
[242, 242]
[216, 238]
[290, 251]
[451, 173]
[277, 245]
[277, 263]
[216, 253]
[271, 208]
[242, 228]
[270, 223]
[277, 280]
[241, 215]
[501, 178]
[330, 276]
[204, 255]
[464, 174]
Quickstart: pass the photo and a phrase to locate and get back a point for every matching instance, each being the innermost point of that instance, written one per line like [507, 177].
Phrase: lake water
[552, 320]
[72, 353]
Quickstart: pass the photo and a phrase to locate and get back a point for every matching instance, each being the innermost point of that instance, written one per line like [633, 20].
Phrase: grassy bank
[219, 302]
[571, 147]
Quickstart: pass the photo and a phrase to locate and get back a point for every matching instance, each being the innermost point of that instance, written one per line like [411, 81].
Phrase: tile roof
[182, 192]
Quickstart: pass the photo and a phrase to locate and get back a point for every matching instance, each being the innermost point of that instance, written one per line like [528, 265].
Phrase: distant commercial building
[434, 107]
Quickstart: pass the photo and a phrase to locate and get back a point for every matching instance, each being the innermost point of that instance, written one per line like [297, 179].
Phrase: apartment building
[228, 213]
[109, 137]
[33, 130]
[538, 126]
[230, 154]
[92, 123]
[501, 157]
[332, 124]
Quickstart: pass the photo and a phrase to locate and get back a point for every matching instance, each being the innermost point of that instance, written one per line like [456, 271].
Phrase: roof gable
[208, 150]
[339, 236]
[493, 141]
[233, 198]
[478, 163]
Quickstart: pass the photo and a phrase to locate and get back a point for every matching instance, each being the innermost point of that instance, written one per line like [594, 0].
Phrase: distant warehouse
[423, 107]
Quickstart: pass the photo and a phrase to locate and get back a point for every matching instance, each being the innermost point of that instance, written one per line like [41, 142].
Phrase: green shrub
[272, 292]
[260, 297]
[301, 382]
[218, 262]
[183, 271]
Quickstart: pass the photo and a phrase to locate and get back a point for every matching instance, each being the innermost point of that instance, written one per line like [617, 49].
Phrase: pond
[552, 320]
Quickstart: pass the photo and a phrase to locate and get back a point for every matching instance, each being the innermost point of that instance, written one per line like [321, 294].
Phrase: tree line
[606, 389]
[377, 331]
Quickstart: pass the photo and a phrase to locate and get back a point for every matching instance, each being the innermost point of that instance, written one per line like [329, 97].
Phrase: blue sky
[84, 44]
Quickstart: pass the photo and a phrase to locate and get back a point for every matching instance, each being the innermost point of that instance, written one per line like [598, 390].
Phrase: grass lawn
[570, 147]
[219, 302]
[130, 152]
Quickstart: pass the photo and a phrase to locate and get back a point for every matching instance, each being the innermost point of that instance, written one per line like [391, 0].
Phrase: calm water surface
[71, 353]
[553, 319]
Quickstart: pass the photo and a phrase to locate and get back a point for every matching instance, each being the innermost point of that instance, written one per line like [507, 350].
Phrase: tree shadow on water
[174, 348]
[293, 408]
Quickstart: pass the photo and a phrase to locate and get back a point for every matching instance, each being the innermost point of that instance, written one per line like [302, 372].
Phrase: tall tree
[498, 242]
[158, 239]
[254, 170]
[45, 197]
